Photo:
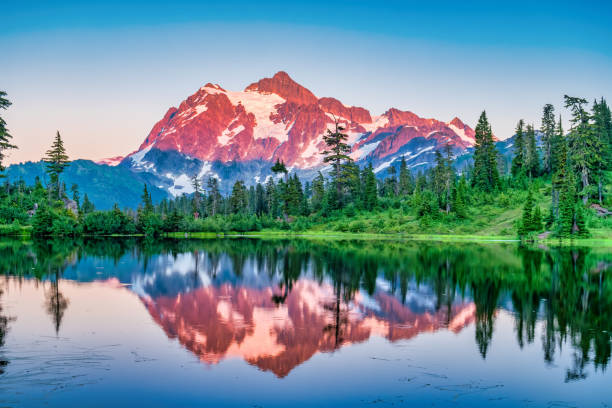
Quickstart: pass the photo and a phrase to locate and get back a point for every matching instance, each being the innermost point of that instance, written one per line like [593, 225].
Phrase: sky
[103, 74]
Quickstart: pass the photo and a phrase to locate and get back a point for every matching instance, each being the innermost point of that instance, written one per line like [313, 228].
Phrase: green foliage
[108, 223]
[56, 161]
[485, 173]
[55, 222]
[5, 136]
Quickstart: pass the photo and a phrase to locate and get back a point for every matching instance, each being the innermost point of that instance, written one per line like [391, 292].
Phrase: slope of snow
[182, 184]
[139, 155]
[461, 133]
[377, 122]
[262, 106]
[364, 150]
[228, 134]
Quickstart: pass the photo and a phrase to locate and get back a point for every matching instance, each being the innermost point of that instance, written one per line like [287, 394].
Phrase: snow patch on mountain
[138, 157]
[460, 133]
[181, 184]
[364, 150]
[262, 106]
[228, 134]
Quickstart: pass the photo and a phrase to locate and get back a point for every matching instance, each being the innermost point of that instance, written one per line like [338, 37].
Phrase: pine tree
[147, 202]
[536, 219]
[459, 205]
[261, 205]
[75, 194]
[370, 195]
[336, 154]
[197, 191]
[214, 196]
[532, 161]
[5, 136]
[602, 128]
[580, 225]
[280, 168]
[238, 200]
[318, 192]
[518, 161]
[485, 175]
[87, 206]
[57, 161]
[548, 134]
[584, 146]
[406, 182]
[567, 203]
[526, 219]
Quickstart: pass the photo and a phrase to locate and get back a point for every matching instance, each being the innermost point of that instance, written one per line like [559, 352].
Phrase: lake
[326, 323]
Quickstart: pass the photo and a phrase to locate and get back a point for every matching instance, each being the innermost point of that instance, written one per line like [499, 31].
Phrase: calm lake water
[277, 323]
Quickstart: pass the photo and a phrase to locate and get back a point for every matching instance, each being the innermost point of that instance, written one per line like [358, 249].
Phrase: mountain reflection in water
[276, 303]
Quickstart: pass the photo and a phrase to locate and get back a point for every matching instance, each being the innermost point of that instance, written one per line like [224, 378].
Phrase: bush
[55, 222]
[108, 222]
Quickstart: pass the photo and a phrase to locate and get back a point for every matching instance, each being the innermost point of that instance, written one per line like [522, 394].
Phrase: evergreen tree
[197, 191]
[318, 192]
[459, 205]
[526, 219]
[57, 161]
[584, 146]
[391, 185]
[548, 134]
[261, 205]
[147, 202]
[5, 136]
[485, 175]
[518, 161]
[580, 224]
[87, 206]
[532, 161]
[214, 196]
[336, 154]
[280, 168]
[406, 182]
[567, 203]
[238, 199]
[370, 195]
[602, 128]
[75, 194]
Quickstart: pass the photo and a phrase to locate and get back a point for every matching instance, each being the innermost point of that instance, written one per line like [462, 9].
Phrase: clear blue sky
[104, 73]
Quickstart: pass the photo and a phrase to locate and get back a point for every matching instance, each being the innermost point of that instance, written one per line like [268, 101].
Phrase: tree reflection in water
[565, 290]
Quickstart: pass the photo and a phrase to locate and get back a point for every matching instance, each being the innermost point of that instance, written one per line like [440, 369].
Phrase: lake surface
[325, 323]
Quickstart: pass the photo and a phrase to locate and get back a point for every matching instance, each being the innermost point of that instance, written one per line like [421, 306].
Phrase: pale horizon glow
[104, 86]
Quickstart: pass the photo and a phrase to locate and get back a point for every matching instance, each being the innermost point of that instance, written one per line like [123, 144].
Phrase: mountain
[104, 185]
[238, 135]
[232, 135]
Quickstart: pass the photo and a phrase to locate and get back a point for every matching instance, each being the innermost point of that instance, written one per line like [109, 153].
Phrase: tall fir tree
[370, 195]
[280, 168]
[197, 191]
[5, 136]
[56, 161]
[518, 161]
[214, 196]
[584, 146]
[147, 202]
[485, 175]
[532, 161]
[406, 181]
[602, 129]
[548, 134]
[559, 162]
[336, 154]
[238, 200]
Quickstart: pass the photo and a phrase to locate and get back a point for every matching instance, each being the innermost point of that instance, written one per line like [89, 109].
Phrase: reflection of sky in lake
[172, 335]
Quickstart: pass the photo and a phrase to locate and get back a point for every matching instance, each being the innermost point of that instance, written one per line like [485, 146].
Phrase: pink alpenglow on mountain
[277, 118]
